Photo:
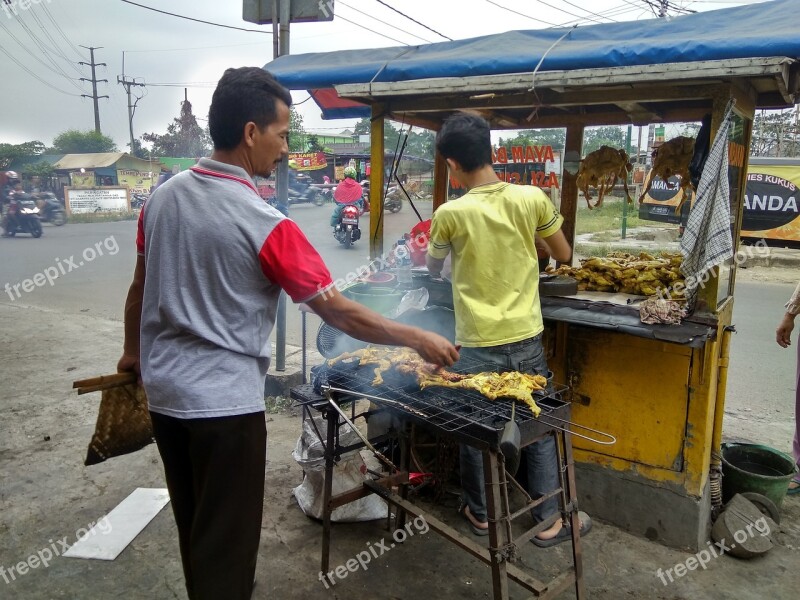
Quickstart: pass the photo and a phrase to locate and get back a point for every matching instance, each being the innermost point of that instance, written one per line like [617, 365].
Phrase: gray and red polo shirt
[216, 257]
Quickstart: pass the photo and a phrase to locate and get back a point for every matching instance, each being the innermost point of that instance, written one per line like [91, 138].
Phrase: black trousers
[215, 476]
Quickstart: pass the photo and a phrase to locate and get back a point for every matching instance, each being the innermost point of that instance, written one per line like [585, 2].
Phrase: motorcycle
[138, 201]
[393, 201]
[50, 209]
[346, 230]
[301, 190]
[22, 217]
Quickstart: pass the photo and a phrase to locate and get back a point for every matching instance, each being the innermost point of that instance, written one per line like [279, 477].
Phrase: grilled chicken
[511, 384]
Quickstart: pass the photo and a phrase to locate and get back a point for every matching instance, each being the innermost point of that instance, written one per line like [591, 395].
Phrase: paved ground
[47, 494]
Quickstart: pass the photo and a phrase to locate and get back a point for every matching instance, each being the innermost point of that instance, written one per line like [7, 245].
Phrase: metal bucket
[379, 299]
[756, 468]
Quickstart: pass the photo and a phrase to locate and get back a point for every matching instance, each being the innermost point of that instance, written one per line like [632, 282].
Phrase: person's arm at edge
[783, 335]
[435, 265]
[133, 320]
[359, 322]
[556, 246]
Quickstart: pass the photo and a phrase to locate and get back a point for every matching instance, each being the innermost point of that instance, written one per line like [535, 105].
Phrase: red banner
[308, 161]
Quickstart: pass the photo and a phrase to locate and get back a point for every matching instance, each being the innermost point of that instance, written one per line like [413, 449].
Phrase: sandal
[564, 533]
[794, 491]
[462, 510]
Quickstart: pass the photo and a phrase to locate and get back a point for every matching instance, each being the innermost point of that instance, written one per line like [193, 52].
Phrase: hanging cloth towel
[707, 240]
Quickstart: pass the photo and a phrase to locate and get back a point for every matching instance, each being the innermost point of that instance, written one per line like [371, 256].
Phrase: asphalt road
[94, 263]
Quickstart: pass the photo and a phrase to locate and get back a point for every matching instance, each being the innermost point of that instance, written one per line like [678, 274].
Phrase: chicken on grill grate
[510, 384]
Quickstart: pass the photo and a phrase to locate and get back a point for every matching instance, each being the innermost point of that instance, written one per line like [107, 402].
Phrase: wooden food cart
[660, 389]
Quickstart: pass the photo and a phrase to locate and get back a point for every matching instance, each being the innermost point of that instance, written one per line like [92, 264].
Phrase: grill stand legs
[502, 548]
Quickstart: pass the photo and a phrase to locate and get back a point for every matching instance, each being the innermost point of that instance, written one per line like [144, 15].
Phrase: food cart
[659, 388]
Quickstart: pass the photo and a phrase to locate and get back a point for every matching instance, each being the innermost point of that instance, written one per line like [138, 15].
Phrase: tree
[9, 153]
[74, 141]
[313, 145]
[138, 150]
[536, 137]
[775, 134]
[184, 137]
[297, 133]
[594, 137]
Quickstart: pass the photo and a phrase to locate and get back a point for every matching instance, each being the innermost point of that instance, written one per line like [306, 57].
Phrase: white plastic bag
[348, 473]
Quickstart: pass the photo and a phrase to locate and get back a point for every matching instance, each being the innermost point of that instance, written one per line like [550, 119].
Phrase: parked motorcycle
[50, 209]
[346, 230]
[22, 217]
[393, 201]
[138, 201]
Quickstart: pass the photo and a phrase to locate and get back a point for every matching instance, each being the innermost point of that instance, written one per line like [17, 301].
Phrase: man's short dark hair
[243, 95]
[466, 139]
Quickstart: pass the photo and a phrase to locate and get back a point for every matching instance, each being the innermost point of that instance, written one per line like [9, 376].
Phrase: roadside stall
[660, 389]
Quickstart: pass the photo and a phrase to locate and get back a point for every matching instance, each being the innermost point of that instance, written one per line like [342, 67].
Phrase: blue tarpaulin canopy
[768, 29]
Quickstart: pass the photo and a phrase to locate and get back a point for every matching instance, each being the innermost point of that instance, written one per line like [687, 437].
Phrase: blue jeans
[337, 211]
[526, 356]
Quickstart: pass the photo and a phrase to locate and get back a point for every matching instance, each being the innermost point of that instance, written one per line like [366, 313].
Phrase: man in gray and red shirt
[213, 258]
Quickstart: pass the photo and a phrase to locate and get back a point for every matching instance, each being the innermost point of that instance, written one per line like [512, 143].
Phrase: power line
[61, 31]
[498, 5]
[384, 22]
[54, 48]
[388, 37]
[34, 75]
[163, 12]
[566, 11]
[37, 59]
[588, 11]
[414, 20]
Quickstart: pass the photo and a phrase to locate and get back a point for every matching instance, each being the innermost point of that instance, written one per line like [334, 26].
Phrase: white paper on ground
[113, 533]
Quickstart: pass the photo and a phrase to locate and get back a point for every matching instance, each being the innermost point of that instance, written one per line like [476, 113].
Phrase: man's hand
[130, 363]
[436, 349]
[784, 332]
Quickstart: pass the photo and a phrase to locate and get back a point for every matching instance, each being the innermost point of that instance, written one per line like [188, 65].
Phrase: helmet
[12, 176]
[350, 172]
[292, 163]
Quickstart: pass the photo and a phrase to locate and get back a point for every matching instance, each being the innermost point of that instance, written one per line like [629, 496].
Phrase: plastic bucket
[755, 468]
[379, 299]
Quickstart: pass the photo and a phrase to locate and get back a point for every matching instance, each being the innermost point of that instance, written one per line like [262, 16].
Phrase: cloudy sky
[40, 47]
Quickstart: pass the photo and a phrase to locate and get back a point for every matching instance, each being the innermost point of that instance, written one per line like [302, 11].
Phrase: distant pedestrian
[783, 336]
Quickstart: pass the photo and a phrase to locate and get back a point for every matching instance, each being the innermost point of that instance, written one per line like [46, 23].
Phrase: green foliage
[607, 217]
[40, 169]
[775, 133]
[297, 133]
[536, 137]
[74, 141]
[313, 145]
[138, 150]
[184, 137]
[12, 152]
[102, 217]
[594, 137]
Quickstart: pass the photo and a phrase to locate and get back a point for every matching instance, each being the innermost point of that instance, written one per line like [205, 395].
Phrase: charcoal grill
[466, 415]
[470, 418]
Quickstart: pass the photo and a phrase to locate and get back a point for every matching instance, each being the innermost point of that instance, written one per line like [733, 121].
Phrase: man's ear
[250, 130]
[453, 164]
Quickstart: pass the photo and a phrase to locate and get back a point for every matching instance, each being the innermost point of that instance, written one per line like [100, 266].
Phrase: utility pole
[662, 11]
[94, 81]
[128, 83]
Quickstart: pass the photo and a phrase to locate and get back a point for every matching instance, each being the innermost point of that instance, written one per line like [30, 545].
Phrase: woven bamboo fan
[123, 421]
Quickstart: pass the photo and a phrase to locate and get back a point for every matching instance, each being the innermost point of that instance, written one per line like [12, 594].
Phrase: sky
[41, 44]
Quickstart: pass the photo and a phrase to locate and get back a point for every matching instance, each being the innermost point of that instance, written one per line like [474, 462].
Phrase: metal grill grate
[465, 413]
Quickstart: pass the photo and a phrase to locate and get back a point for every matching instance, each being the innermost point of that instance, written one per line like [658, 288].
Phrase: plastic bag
[412, 299]
[348, 473]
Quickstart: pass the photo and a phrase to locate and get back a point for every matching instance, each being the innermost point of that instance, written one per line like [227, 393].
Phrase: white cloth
[707, 240]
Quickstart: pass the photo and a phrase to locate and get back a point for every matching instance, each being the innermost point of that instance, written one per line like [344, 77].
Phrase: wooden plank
[569, 187]
[715, 69]
[440, 181]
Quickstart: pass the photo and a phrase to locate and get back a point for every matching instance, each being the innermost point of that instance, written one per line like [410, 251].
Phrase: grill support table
[502, 549]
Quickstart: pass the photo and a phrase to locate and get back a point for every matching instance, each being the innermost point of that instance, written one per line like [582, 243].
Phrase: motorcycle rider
[348, 192]
[12, 188]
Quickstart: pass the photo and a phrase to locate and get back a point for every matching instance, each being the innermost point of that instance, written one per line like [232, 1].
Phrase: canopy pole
[376, 182]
